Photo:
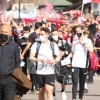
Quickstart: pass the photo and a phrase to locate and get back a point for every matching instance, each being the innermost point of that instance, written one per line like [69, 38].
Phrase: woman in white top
[80, 46]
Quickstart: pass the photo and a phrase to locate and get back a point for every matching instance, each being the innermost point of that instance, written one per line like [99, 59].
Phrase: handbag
[64, 76]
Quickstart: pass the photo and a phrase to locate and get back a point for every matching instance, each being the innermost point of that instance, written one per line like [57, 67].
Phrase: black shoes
[85, 91]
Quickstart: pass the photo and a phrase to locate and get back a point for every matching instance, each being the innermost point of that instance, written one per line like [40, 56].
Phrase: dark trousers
[81, 74]
[7, 88]
[34, 82]
[90, 79]
[24, 69]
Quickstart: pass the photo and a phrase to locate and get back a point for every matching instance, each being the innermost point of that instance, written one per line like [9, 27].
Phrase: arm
[71, 53]
[92, 17]
[57, 59]
[31, 39]
[17, 57]
[89, 48]
[87, 44]
[69, 56]
[13, 22]
[57, 53]
[32, 57]
[25, 50]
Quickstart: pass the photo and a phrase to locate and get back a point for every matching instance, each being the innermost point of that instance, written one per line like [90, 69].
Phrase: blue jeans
[7, 88]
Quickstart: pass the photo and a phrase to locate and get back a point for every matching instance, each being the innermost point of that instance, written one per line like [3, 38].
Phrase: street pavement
[93, 94]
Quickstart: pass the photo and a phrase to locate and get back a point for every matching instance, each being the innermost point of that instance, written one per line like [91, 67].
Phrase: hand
[81, 40]
[44, 61]
[10, 17]
[28, 76]
[91, 11]
[21, 57]
[68, 66]
[51, 61]
[62, 53]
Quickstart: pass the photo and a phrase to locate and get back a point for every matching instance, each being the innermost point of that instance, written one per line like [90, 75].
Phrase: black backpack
[57, 66]
[32, 66]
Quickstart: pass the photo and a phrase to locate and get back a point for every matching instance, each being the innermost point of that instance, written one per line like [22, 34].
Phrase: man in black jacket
[9, 60]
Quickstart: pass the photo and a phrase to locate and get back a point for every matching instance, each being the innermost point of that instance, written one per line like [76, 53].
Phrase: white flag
[86, 1]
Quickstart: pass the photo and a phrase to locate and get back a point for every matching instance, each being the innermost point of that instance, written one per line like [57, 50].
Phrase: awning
[56, 3]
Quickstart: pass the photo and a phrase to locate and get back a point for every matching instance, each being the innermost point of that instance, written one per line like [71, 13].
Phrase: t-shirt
[45, 52]
[22, 42]
[80, 53]
[32, 37]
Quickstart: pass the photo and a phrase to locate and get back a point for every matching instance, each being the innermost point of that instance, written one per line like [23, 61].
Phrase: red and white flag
[88, 1]
[96, 1]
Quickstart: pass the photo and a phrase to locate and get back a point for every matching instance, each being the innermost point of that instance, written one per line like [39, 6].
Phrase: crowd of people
[46, 44]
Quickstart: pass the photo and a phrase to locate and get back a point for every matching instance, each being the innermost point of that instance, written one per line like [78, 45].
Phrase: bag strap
[52, 47]
[37, 48]
[87, 59]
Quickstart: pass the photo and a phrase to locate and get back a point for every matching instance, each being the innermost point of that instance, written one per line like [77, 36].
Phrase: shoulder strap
[37, 48]
[87, 59]
[52, 47]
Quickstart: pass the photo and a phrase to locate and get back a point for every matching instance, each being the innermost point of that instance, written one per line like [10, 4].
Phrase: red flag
[96, 1]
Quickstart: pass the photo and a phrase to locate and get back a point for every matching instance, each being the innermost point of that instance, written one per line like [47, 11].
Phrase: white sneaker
[64, 96]
[54, 98]
[36, 92]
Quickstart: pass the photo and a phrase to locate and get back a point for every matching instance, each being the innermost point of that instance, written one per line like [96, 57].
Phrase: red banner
[96, 1]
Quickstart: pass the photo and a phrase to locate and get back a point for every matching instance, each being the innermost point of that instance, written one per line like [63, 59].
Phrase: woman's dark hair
[80, 26]
[45, 29]
[73, 30]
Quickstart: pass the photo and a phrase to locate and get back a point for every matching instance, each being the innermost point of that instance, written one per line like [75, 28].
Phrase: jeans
[7, 88]
[81, 74]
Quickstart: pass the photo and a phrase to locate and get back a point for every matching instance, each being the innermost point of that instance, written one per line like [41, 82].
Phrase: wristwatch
[84, 44]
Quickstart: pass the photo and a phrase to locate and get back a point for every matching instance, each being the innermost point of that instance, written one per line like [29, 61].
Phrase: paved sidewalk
[94, 92]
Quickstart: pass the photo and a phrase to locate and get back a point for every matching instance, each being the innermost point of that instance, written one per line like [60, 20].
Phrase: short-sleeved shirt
[32, 37]
[45, 52]
[22, 42]
[80, 53]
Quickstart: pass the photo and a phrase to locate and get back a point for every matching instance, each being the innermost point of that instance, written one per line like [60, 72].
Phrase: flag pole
[81, 12]
[82, 9]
